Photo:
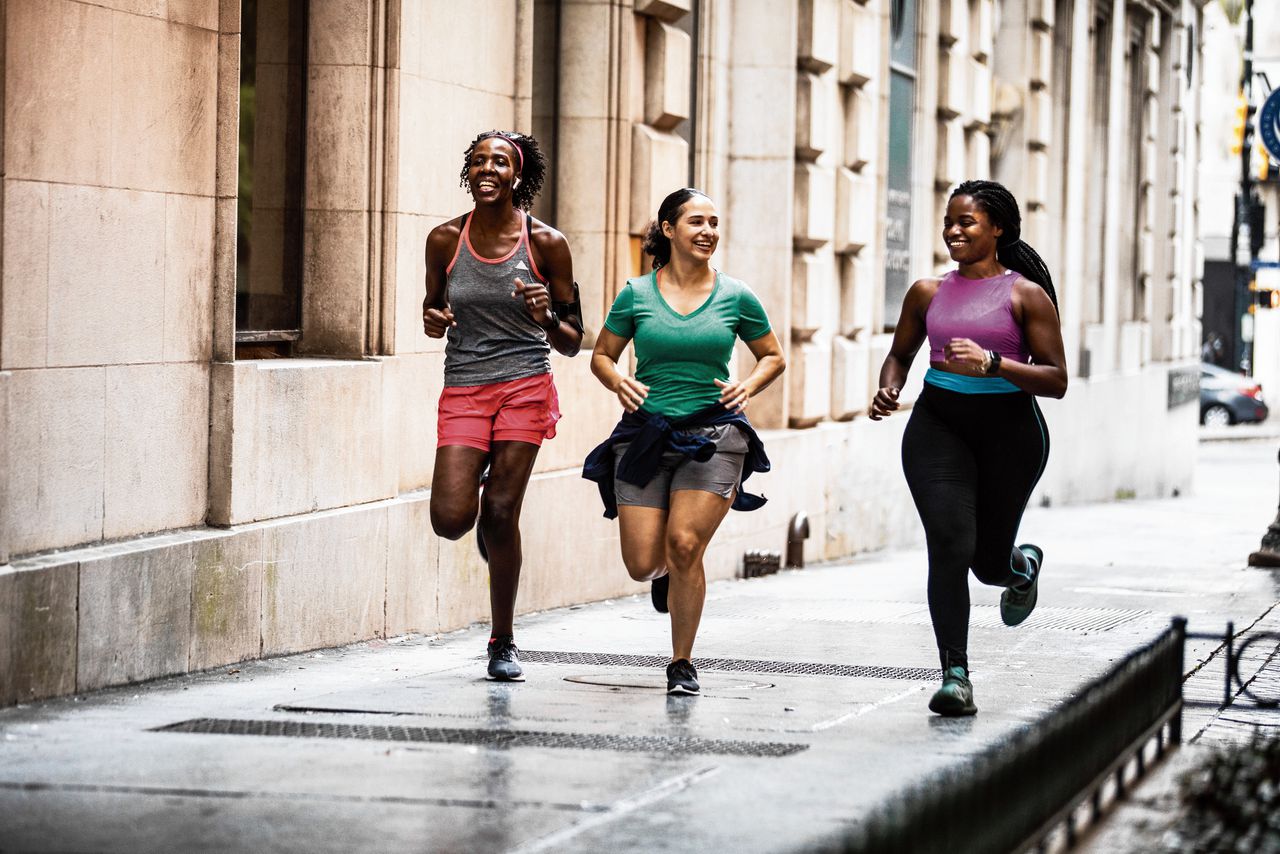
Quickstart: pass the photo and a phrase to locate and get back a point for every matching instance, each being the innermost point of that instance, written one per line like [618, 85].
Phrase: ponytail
[1011, 250]
[657, 244]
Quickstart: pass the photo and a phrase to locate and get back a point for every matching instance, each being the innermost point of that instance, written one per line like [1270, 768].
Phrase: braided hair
[657, 244]
[1011, 251]
[531, 165]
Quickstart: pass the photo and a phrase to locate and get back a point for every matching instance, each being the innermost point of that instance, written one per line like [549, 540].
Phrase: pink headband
[516, 146]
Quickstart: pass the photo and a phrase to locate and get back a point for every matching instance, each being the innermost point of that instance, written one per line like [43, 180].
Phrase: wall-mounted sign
[1184, 385]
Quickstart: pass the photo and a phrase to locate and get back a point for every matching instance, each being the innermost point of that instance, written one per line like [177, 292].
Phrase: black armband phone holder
[570, 312]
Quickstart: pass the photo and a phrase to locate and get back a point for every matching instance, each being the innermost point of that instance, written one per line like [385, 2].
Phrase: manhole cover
[647, 682]
[501, 739]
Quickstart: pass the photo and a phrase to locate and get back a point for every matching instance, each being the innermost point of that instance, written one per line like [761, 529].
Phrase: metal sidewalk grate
[736, 665]
[501, 739]
[895, 613]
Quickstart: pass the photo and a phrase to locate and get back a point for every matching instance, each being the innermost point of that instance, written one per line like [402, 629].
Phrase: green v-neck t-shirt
[679, 356]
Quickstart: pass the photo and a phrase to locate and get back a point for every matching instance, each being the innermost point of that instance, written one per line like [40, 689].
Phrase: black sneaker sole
[680, 689]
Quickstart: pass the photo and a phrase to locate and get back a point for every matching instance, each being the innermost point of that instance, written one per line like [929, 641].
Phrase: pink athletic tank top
[978, 309]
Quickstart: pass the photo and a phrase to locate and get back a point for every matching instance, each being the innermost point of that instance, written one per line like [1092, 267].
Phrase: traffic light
[1239, 124]
[1257, 212]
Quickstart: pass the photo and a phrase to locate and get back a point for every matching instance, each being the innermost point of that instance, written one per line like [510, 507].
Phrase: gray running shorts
[721, 474]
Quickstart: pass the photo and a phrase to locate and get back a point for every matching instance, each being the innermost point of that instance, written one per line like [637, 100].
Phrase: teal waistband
[969, 385]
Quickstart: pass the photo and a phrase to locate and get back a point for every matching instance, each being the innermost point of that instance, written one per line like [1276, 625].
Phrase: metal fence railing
[1015, 793]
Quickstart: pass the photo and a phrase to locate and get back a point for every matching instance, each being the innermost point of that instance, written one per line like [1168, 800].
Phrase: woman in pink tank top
[976, 443]
[500, 287]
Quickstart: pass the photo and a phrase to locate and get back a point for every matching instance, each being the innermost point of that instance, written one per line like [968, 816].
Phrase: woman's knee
[451, 523]
[644, 568]
[684, 548]
[951, 549]
[499, 513]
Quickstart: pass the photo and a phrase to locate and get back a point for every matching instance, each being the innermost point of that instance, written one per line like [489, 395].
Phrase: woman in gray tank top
[500, 287]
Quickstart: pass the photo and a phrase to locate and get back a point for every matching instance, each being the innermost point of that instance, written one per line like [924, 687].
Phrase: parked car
[1229, 398]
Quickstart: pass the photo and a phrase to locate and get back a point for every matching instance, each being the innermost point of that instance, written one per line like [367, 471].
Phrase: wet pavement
[813, 708]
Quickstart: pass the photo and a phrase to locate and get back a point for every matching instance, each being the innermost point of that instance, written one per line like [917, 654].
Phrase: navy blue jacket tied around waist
[652, 435]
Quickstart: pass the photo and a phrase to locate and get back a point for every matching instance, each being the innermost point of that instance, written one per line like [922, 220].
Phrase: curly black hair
[532, 166]
[1011, 250]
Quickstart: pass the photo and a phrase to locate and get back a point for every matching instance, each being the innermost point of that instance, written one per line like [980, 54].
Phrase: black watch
[994, 366]
[555, 322]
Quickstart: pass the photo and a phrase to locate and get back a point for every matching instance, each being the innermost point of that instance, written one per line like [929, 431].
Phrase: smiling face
[492, 169]
[696, 231]
[968, 231]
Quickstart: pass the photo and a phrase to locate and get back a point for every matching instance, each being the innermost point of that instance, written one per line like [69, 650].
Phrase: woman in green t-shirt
[676, 461]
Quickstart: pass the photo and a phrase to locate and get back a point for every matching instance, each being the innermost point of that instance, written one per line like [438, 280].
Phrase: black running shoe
[504, 660]
[682, 677]
[658, 593]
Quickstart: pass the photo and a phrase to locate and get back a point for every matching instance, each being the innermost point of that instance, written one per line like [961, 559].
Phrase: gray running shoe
[504, 660]
[1017, 603]
[682, 677]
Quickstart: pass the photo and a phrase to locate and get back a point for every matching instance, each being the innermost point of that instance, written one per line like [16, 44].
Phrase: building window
[902, 106]
[546, 99]
[269, 227]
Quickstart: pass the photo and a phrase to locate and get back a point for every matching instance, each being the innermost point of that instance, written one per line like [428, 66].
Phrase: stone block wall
[966, 54]
[839, 71]
[110, 122]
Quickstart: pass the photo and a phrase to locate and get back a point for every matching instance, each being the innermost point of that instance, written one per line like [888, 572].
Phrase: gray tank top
[496, 340]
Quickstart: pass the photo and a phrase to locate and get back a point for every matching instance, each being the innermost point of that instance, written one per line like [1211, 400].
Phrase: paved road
[814, 713]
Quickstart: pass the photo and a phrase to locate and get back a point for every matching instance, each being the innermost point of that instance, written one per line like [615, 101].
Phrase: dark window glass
[546, 99]
[686, 130]
[902, 106]
[273, 49]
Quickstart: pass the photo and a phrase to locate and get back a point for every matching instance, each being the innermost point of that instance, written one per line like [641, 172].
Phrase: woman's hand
[733, 396]
[884, 403]
[437, 321]
[631, 392]
[963, 353]
[537, 300]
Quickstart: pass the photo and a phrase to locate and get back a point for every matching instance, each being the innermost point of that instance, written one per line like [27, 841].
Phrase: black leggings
[971, 462]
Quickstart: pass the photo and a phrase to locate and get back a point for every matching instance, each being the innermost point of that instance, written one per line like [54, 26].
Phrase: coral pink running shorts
[524, 410]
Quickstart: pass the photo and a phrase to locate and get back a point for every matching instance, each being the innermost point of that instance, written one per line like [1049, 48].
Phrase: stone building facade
[218, 405]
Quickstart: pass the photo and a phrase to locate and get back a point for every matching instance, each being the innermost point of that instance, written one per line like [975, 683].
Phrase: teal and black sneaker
[1017, 602]
[955, 698]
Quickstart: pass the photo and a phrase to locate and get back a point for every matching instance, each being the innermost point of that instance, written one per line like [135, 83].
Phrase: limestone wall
[110, 120]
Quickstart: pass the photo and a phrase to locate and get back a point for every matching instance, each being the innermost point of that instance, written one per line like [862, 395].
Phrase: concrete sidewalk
[814, 713]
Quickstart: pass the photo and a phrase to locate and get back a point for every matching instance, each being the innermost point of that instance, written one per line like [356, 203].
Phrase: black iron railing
[1014, 794]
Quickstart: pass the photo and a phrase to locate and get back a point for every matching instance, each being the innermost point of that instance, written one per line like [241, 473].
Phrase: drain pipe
[797, 533]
